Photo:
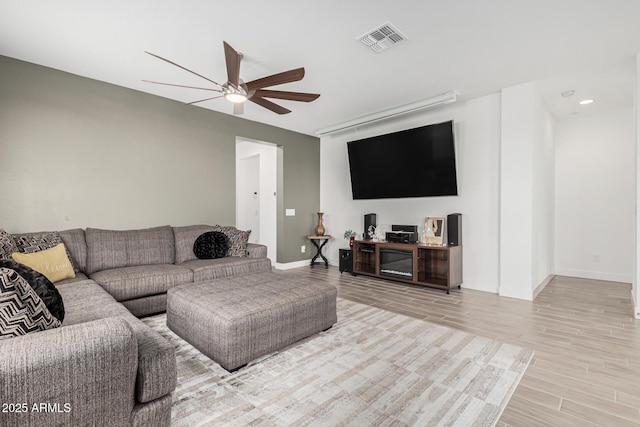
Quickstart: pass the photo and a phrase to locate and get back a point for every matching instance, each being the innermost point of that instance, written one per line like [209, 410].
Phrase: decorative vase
[351, 239]
[320, 227]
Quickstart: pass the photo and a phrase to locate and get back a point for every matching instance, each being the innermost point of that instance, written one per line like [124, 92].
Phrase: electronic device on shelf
[402, 234]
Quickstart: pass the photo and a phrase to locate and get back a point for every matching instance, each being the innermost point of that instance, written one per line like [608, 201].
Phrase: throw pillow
[7, 245]
[211, 245]
[53, 263]
[41, 285]
[238, 240]
[29, 243]
[21, 309]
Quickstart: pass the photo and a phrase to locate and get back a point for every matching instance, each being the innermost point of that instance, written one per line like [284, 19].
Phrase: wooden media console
[416, 263]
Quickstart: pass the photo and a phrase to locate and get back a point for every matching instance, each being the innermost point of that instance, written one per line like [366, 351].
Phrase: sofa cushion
[76, 245]
[209, 269]
[7, 245]
[29, 243]
[114, 249]
[41, 285]
[210, 245]
[53, 263]
[21, 309]
[238, 239]
[86, 301]
[143, 280]
[185, 237]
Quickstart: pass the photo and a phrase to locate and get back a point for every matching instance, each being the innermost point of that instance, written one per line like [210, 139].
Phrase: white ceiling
[474, 47]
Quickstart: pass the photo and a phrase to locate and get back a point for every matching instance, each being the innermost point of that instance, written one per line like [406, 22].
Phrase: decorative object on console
[54, 262]
[351, 235]
[320, 228]
[381, 231]
[22, 310]
[433, 232]
[211, 245]
[41, 286]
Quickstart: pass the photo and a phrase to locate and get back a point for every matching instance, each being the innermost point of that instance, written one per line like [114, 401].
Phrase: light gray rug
[373, 367]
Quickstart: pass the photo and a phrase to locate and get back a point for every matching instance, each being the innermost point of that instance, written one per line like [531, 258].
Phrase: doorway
[256, 184]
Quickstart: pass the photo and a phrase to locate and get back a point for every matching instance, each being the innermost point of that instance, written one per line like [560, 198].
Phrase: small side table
[316, 242]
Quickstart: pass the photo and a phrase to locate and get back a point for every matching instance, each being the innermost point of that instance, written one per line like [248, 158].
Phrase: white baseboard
[636, 307]
[291, 265]
[595, 275]
[542, 285]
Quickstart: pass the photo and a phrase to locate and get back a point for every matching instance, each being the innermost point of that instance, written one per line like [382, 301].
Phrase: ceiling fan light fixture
[235, 97]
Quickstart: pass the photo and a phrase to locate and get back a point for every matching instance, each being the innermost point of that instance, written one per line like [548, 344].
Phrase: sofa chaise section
[135, 266]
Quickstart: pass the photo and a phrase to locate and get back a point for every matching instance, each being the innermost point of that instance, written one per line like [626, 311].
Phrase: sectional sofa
[104, 366]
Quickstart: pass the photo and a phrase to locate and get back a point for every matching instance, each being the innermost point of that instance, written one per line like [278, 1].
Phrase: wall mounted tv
[417, 162]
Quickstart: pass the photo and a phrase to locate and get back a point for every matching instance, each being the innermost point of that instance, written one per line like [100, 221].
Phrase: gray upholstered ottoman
[238, 319]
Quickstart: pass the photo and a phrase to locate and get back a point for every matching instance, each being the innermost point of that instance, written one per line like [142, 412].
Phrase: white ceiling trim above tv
[434, 101]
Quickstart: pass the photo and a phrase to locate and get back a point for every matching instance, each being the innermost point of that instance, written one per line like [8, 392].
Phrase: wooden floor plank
[587, 363]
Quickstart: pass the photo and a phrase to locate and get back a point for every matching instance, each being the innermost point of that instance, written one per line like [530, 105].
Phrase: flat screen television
[417, 162]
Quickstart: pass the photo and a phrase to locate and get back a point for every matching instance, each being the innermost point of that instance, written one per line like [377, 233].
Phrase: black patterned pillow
[211, 245]
[7, 245]
[47, 292]
[35, 242]
[21, 309]
[238, 240]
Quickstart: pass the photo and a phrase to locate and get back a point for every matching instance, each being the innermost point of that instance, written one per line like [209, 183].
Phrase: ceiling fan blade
[203, 100]
[277, 79]
[232, 58]
[238, 108]
[180, 66]
[291, 96]
[189, 87]
[269, 105]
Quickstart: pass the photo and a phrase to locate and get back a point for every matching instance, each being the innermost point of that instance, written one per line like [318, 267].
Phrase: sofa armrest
[82, 374]
[256, 250]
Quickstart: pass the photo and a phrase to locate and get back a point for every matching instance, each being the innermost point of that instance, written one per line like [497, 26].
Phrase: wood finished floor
[586, 368]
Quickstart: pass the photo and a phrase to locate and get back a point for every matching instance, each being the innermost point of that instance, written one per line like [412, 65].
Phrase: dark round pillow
[210, 245]
[41, 285]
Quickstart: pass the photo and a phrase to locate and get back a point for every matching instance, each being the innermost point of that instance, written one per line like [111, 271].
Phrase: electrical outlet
[303, 249]
[596, 258]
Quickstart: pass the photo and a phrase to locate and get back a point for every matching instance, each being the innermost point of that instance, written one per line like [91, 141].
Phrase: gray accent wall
[76, 152]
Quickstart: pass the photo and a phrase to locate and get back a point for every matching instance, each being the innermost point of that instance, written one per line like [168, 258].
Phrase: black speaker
[346, 261]
[454, 229]
[369, 220]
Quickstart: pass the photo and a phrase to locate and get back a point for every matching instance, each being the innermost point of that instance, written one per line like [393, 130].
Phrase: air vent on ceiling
[382, 38]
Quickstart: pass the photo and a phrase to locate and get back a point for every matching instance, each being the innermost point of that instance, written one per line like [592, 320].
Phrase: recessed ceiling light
[586, 101]
[568, 93]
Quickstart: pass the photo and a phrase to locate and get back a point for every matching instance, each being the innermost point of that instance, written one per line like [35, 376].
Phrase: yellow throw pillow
[53, 262]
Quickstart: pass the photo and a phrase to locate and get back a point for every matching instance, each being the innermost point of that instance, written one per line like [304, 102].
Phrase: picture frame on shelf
[433, 231]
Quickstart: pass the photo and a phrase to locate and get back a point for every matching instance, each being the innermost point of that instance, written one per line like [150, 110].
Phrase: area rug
[373, 368]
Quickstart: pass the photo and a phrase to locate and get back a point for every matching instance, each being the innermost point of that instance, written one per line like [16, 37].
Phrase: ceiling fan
[237, 91]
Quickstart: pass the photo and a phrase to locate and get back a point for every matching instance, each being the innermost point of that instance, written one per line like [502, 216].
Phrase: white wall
[527, 192]
[543, 194]
[635, 291]
[595, 195]
[477, 127]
